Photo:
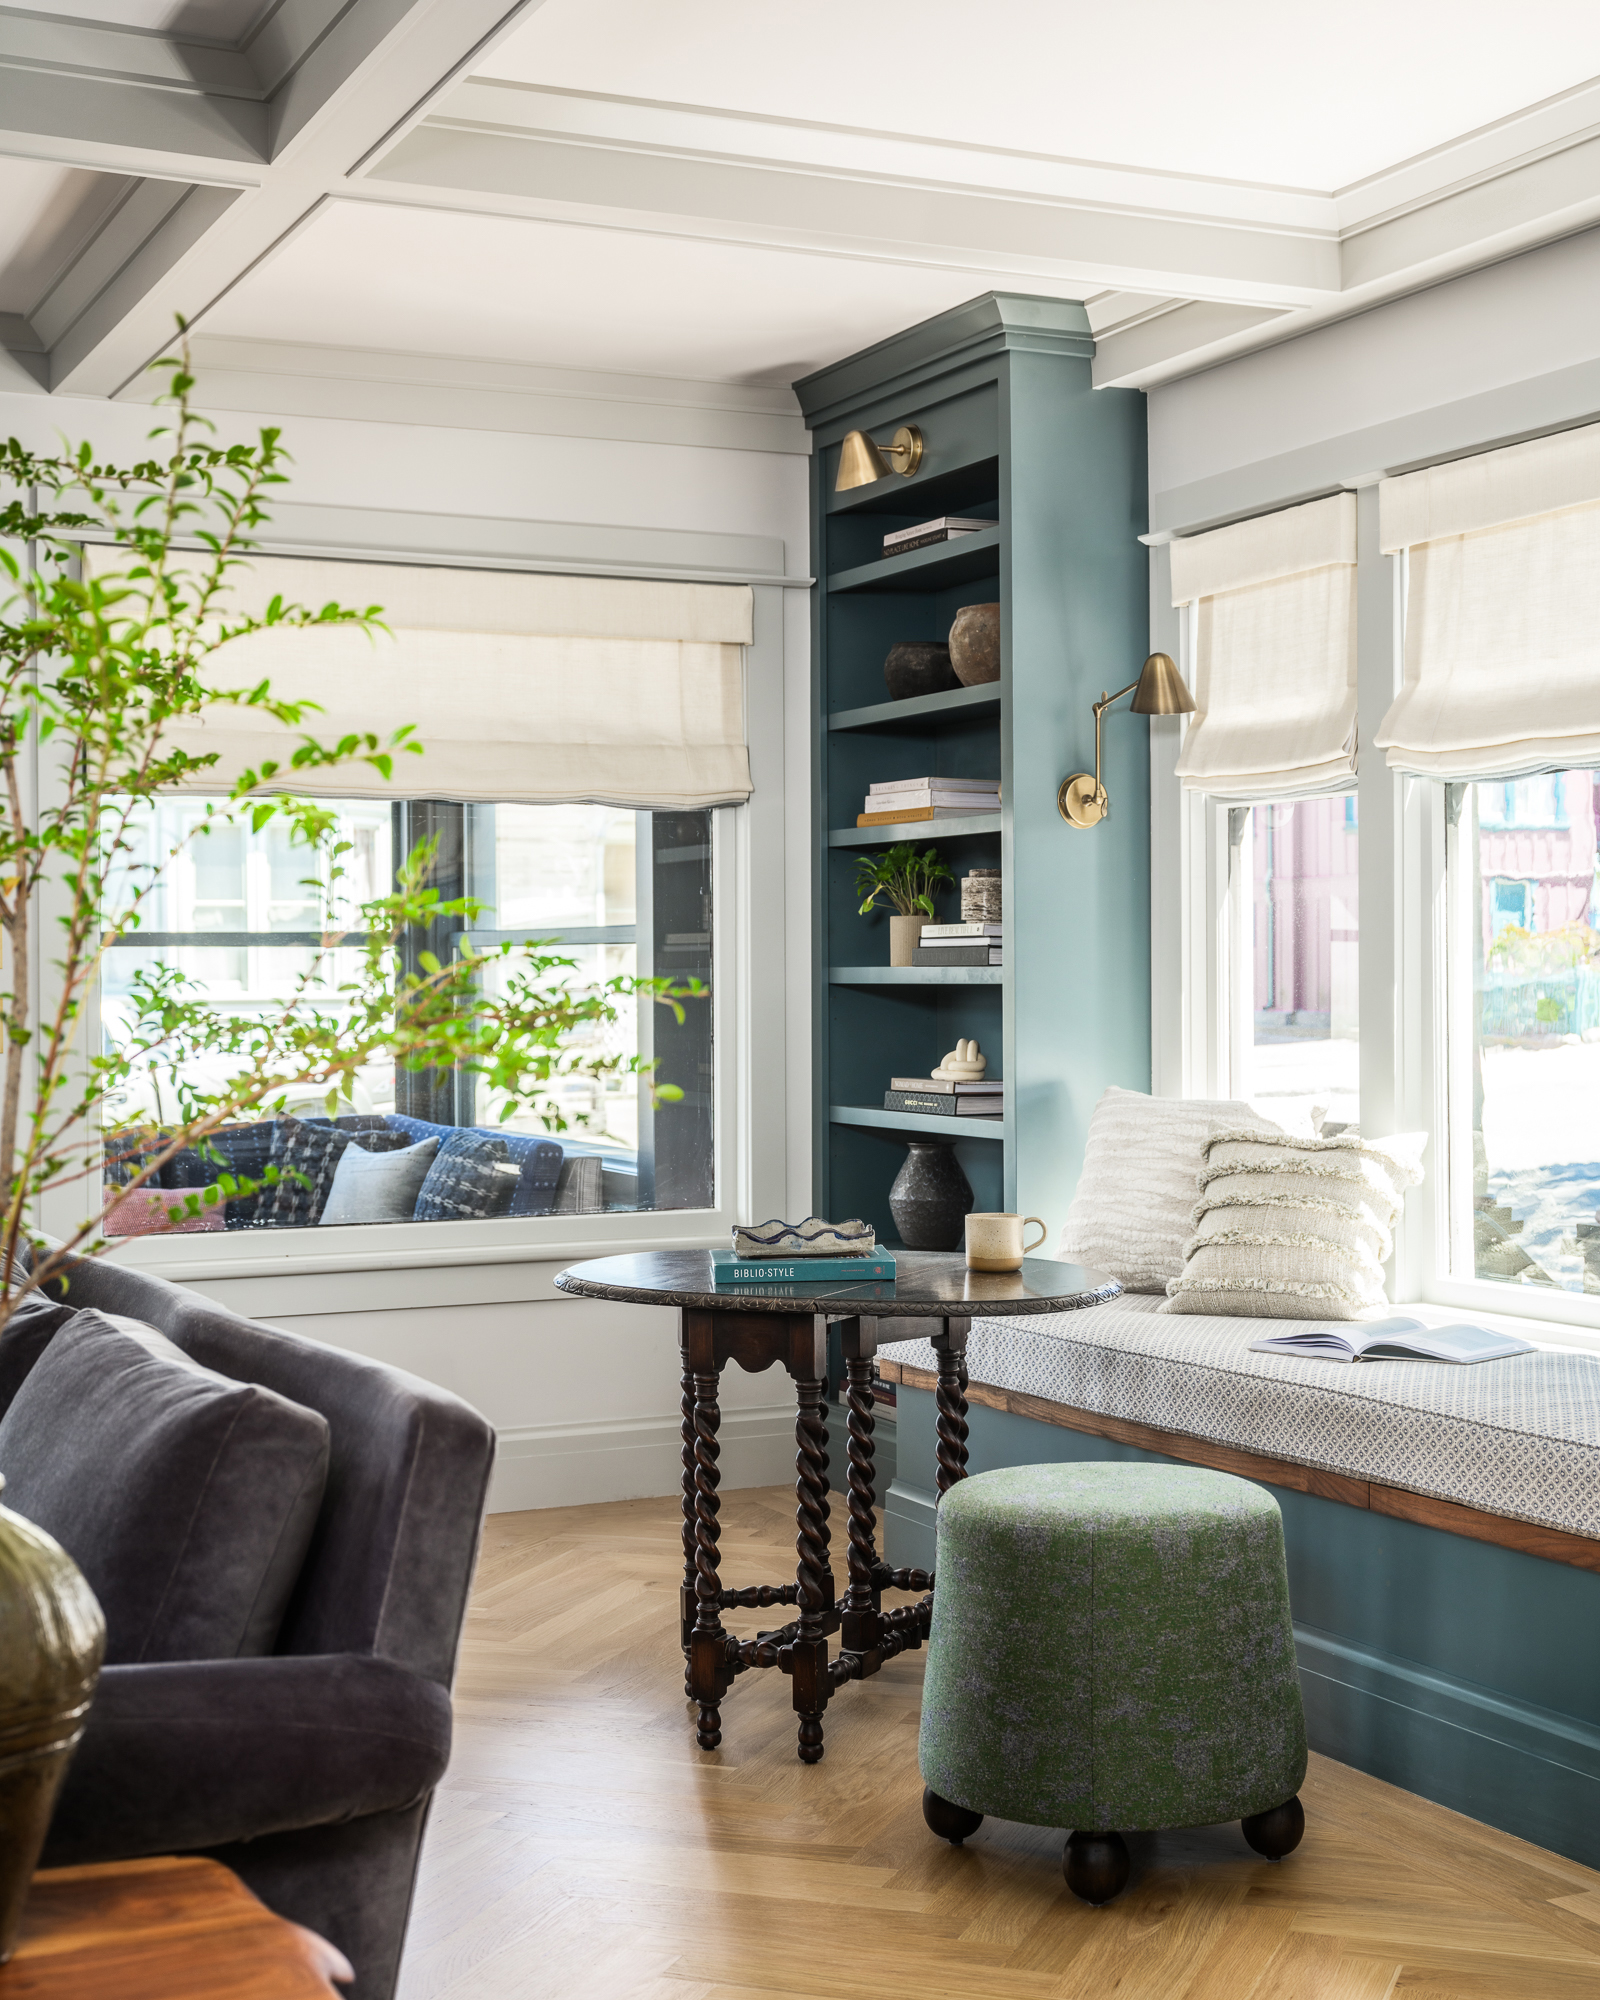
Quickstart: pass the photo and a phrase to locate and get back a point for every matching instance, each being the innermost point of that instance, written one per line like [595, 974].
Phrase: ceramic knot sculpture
[811, 1238]
[964, 1064]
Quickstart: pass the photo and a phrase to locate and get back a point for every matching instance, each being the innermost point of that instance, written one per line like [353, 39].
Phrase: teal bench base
[1461, 1671]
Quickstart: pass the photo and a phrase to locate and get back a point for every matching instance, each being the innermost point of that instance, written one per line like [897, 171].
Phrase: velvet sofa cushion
[33, 1324]
[187, 1499]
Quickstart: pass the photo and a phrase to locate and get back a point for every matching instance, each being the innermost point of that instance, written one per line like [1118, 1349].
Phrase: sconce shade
[860, 463]
[1161, 690]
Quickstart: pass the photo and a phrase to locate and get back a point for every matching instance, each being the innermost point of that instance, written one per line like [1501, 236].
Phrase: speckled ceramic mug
[994, 1242]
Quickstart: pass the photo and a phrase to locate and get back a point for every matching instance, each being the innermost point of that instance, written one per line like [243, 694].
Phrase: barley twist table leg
[707, 1646]
[808, 1653]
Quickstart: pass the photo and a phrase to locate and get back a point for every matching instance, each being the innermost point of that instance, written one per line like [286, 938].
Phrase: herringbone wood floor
[582, 1846]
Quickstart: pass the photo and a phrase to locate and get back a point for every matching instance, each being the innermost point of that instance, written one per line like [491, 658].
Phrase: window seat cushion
[1518, 1437]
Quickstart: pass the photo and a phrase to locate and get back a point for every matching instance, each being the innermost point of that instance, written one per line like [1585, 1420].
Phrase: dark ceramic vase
[52, 1637]
[931, 1197]
[918, 666]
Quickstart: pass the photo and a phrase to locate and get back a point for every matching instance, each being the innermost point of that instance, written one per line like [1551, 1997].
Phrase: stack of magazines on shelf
[945, 529]
[941, 1098]
[929, 798]
[958, 944]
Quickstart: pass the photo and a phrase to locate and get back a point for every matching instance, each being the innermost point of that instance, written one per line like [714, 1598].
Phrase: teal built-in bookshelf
[1014, 432]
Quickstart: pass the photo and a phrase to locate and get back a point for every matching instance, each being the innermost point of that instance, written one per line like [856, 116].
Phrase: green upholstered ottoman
[1111, 1651]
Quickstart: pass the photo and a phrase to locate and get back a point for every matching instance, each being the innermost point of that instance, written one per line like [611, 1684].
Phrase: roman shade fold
[523, 689]
[1275, 655]
[1502, 644]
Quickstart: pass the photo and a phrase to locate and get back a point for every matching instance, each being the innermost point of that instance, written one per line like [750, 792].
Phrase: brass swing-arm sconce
[1159, 690]
[863, 463]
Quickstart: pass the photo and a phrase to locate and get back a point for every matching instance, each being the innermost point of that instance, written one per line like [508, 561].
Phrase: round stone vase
[903, 935]
[975, 644]
[52, 1638]
[931, 1197]
[918, 666]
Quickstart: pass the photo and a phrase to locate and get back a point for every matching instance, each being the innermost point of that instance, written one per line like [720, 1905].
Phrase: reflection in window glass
[619, 893]
[1296, 1055]
[1525, 1013]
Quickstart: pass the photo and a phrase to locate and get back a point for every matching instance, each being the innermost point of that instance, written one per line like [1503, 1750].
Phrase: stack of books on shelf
[925, 533]
[939, 1099]
[928, 798]
[958, 944]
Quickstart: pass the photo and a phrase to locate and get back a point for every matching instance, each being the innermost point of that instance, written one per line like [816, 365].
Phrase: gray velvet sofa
[309, 1772]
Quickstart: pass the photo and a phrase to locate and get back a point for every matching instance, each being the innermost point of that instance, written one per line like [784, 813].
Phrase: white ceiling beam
[1125, 356]
[363, 82]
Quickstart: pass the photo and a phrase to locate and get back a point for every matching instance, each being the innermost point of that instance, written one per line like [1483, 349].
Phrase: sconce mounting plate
[1081, 801]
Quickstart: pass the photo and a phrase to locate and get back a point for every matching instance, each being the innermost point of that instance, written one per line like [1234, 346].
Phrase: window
[617, 891]
[1294, 1039]
[1524, 1031]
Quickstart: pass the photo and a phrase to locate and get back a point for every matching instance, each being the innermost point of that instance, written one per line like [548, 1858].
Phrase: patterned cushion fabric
[1519, 1437]
[1134, 1208]
[471, 1180]
[1111, 1649]
[307, 1157]
[1295, 1228]
[377, 1183]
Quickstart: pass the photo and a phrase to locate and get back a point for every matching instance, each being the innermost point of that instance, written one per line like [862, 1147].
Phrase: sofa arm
[195, 1753]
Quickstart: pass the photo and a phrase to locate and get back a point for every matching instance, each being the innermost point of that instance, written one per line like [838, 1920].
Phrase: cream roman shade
[1275, 654]
[1502, 647]
[524, 689]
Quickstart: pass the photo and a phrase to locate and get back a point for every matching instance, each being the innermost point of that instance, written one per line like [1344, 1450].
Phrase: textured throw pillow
[187, 1499]
[1134, 1208]
[299, 1150]
[32, 1326]
[1289, 1228]
[472, 1179]
[378, 1185]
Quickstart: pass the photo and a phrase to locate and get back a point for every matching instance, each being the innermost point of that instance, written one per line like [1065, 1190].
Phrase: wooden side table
[786, 1326]
[172, 1928]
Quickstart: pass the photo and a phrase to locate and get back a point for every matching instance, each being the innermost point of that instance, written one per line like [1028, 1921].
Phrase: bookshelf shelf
[916, 1121]
[958, 706]
[916, 975]
[960, 826]
[961, 561]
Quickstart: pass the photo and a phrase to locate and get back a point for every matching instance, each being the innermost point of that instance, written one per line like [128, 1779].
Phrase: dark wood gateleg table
[787, 1325]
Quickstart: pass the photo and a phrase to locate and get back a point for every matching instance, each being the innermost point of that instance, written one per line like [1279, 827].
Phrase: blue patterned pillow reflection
[471, 1180]
[306, 1157]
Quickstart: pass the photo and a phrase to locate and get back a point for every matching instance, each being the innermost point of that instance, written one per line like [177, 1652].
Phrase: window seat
[1505, 1451]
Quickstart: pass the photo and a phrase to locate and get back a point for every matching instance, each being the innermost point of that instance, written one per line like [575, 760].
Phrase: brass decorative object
[1159, 690]
[864, 463]
[52, 1639]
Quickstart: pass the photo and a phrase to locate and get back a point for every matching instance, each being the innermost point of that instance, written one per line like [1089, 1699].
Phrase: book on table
[1397, 1339]
[874, 1267]
[938, 1106]
[946, 528]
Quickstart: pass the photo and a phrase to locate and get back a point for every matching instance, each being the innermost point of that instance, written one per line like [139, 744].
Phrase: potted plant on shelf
[905, 880]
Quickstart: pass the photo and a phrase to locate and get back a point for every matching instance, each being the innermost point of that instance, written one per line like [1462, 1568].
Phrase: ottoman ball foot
[1096, 1866]
[952, 1823]
[1276, 1832]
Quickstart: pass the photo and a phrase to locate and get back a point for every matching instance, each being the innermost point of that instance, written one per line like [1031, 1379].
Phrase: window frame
[1410, 1069]
[760, 1153]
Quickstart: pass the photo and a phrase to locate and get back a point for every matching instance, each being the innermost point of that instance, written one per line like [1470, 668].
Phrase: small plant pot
[903, 935]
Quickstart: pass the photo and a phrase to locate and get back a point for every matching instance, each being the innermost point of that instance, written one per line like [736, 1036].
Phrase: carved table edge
[1451, 1516]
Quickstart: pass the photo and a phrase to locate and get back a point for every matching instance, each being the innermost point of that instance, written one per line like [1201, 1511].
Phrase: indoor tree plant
[95, 669]
[905, 880]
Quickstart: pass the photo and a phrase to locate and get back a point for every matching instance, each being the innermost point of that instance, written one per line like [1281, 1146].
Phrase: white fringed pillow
[1134, 1208]
[1291, 1228]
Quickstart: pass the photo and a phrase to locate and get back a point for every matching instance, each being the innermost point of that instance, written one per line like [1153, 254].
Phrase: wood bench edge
[1450, 1516]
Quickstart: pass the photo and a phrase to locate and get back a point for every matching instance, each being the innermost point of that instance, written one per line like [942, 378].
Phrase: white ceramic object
[964, 1064]
[811, 1238]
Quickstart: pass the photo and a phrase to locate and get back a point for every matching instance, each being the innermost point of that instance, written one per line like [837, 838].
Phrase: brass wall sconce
[863, 463]
[1159, 690]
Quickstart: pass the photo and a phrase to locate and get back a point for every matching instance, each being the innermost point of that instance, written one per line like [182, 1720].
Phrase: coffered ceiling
[477, 201]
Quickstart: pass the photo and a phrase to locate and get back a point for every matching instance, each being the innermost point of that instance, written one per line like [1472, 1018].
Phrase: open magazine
[1397, 1339]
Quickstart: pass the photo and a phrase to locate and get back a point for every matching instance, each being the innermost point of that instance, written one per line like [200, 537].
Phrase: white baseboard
[635, 1458]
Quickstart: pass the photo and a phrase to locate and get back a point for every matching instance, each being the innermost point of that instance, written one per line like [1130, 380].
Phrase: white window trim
[752, 1160]
[1405, 1048]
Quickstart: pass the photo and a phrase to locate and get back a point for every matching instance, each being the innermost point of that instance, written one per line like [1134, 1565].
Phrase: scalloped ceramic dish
[811, 1238]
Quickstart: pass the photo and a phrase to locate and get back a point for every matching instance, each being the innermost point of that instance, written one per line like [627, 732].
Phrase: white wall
[584, 1395]
[1497, 354]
